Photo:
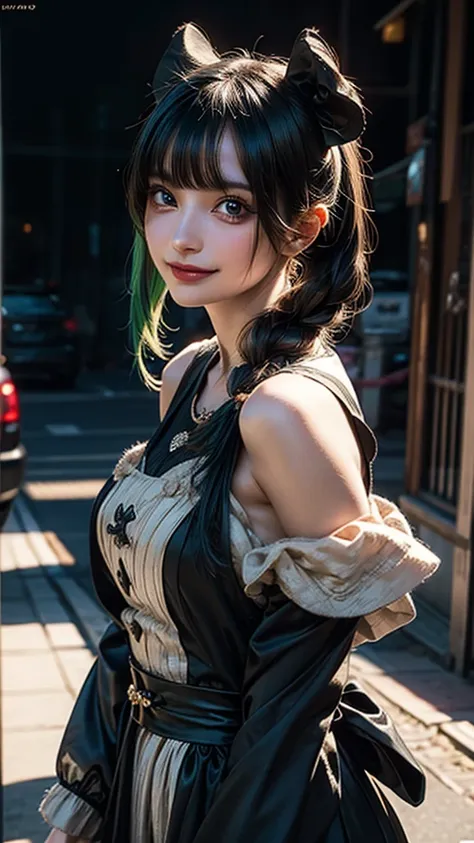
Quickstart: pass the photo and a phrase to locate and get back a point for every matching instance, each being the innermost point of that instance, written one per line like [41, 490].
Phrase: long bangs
[181, 140]
[185, 150]
[180, 145]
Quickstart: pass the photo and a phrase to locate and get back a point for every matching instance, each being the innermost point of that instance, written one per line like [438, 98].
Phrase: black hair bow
[340, 117]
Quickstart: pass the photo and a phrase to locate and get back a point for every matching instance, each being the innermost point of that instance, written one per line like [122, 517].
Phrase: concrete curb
[379, 675]
[373, 672]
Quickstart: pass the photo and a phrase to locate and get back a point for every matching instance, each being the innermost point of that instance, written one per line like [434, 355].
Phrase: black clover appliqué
[122, 517]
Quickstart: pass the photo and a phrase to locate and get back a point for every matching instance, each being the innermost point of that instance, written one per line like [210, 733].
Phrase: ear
[308, 226]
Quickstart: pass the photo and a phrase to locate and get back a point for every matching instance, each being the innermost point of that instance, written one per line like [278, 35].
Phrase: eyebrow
[236, 185]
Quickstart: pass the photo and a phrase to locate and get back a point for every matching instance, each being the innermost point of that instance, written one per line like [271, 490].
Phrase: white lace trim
[129, 460]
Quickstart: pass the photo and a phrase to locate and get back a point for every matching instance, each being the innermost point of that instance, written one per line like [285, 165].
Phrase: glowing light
[394, 32]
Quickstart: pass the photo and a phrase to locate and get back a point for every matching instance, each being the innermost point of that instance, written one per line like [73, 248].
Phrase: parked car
[39, 338]
[12, 452]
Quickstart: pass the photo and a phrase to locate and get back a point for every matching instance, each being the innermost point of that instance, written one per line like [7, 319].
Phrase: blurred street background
[75, 86]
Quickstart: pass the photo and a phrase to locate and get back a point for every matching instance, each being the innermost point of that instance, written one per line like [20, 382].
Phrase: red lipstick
[189, 272]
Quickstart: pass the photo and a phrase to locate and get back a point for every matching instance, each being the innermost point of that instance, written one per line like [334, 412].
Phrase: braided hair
[289, 167]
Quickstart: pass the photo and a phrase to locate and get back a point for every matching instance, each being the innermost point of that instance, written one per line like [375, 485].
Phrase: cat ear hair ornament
[339, 116]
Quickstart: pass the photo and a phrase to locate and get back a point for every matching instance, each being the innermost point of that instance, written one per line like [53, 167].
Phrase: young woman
[241, 552]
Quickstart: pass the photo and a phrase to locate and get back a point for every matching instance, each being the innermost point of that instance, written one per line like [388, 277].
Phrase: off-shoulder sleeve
[367, 569]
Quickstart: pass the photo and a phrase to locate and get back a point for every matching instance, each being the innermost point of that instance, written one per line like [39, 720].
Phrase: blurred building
[77, 85]
[437, 173]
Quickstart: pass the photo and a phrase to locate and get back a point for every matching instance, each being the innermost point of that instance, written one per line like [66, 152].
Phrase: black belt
[190, 713]
[196, 714]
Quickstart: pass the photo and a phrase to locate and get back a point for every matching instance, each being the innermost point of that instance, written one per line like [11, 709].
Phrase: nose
[186, 237]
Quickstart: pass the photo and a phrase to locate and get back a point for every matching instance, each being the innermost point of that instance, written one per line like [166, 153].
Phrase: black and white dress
[291, 750]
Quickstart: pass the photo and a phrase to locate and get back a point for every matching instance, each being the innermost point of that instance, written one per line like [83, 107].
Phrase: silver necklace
[181, 438]
[203, 415]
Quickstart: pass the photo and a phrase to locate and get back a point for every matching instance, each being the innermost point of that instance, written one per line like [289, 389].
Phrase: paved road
[73, 441]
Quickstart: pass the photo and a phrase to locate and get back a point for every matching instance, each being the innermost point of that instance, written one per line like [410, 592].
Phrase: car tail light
[9, 404]
[70, 325]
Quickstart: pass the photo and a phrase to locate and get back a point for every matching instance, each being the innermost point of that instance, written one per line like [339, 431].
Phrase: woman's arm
[304, 458]
[303, 734]
[57, 836]
[304, 455]
[86, 757]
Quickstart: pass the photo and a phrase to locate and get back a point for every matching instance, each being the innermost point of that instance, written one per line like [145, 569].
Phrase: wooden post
[462, 595]
[450, 193]
[426, 234]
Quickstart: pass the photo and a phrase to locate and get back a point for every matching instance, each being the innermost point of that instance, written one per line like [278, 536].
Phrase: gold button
[137, 697]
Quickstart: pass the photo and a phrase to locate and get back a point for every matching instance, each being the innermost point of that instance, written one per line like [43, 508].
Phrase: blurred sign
[416, 135]
[389, 313]
[94, 240]
[416, 178]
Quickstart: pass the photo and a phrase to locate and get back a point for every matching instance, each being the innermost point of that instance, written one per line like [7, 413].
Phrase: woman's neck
[228, 317]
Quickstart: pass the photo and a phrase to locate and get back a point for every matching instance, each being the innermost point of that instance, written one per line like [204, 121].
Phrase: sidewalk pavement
[50, 629]
[45, 657]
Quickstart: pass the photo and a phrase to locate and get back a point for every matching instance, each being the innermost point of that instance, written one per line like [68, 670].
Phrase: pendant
[178, 440]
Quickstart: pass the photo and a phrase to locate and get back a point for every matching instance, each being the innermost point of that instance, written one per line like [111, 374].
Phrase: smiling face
[212, 229]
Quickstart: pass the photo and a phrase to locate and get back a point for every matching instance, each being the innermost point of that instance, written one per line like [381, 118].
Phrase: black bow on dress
[341, 118]
[367, 734]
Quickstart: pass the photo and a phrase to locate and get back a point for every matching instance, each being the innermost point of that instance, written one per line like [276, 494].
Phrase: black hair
[282, 154]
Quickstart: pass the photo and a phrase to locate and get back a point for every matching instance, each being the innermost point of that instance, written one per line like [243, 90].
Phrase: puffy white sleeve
[367, 568]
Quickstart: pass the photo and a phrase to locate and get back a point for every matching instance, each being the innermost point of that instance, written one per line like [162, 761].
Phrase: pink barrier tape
[392, 379]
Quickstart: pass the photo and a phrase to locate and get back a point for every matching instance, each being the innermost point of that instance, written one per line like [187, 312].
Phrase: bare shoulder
[288, 402]
[173, 372]
[303, 454]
